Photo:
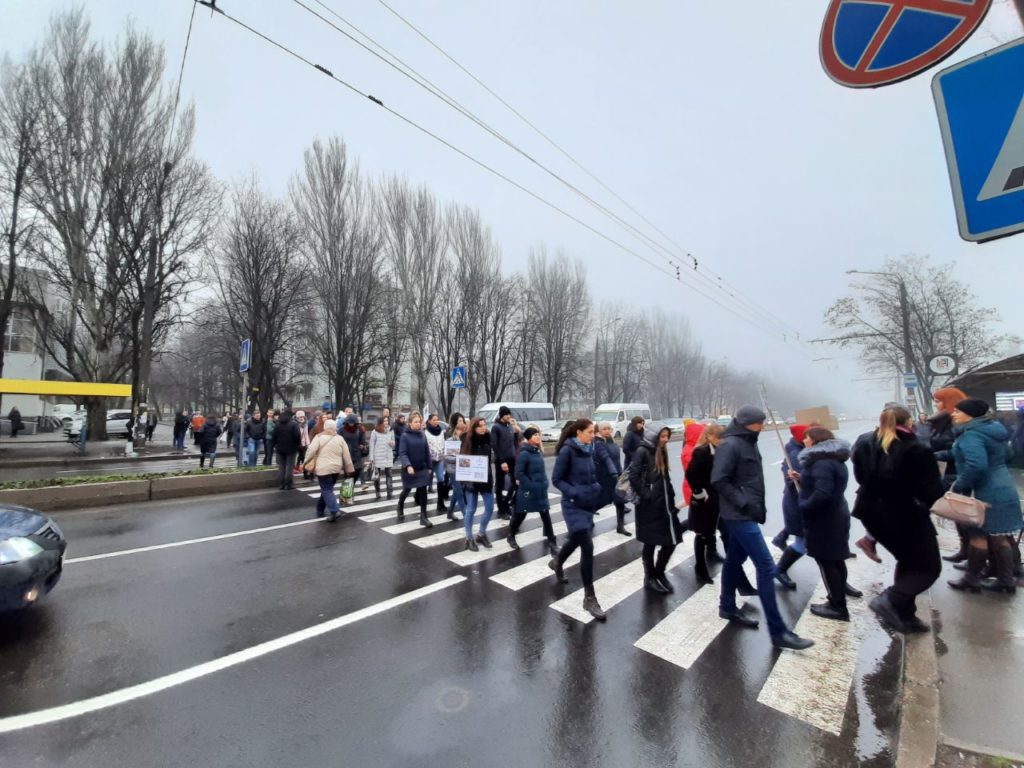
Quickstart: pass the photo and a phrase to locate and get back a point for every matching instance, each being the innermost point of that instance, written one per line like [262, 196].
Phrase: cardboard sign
[452, 448]
[819, 415]
[471, 469]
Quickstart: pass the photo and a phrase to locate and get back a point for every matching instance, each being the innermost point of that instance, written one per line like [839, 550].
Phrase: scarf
[434, 429]
[586, 448]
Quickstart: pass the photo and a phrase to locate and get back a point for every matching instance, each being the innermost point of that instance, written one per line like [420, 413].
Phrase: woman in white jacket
[382, 454]
[328, 457]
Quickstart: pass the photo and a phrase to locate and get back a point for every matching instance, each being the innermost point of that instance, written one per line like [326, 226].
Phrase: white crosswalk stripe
[681, 637]
[501, 547]
[814, 685]
[414, 525]
[497, 527]
[529, 573]
[617, 585]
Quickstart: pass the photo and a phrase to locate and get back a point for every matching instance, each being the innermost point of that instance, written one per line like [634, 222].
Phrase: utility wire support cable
[721, 283]
[419, 79]
[471, 158]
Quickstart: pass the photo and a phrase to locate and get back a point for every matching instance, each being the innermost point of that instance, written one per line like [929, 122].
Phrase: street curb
[918, 739]
[93, 460]
[60, 498]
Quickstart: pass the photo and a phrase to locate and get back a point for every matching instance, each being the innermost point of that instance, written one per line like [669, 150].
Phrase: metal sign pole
[775, 426]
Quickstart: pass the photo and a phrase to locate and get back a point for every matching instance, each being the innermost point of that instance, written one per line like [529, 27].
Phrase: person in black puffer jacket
[208, 436]
[657, 521]
[355, 437]
[632, 440]
[285, 442]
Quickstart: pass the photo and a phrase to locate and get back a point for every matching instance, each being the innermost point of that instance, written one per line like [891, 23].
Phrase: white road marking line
[413, 525]
[496, 526]
[96, 703]
[617, 585]
[186, 542]
[411, 510]
[814, 685]
[537, 570]
[500, 547]
[682, 636]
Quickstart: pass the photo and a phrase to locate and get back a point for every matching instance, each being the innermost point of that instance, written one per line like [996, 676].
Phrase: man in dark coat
[633, 438]
[608, 459]
[208, 441]
[16, 423]
[180, 428]
[286, 441]
[738, 476]
[398, 427]
[503, 442]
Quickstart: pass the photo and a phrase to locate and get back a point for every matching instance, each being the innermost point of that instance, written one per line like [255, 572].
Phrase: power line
[419, 79]
[324, 70]
[721, 283]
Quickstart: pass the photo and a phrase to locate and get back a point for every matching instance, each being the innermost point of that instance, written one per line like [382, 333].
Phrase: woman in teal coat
[980, 453]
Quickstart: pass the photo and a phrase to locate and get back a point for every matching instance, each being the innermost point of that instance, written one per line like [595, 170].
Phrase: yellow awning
[69, 388]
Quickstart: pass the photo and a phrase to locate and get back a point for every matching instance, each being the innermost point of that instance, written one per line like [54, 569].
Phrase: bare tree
[17, 148]
[344, 246]
[255, 278]
[558, 295]
[943, 313]
[416, 243]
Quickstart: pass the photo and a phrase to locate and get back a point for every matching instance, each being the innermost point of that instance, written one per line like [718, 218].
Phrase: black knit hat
[504, 411]
[530, 432]
[973, 407]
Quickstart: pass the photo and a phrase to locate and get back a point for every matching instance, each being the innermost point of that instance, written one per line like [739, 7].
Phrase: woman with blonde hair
[703, 514]
[899, 482]
[327, 457]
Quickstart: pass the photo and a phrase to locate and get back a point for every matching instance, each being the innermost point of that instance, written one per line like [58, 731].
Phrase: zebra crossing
[813, 686]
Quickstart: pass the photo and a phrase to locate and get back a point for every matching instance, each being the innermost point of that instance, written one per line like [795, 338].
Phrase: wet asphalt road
[472, 673]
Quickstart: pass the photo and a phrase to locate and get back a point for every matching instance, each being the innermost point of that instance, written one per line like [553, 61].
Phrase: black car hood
[20, 521]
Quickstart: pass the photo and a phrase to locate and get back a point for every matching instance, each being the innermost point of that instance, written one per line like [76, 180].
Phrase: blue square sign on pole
[981, 113]
[459, 377]
[246, 357]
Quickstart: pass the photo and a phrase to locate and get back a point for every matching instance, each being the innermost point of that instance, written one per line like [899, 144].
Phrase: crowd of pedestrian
[901, 469]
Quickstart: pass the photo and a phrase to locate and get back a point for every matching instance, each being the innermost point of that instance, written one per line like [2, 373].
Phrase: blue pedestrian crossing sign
[246, 357]
[980, 103]
[459, 377]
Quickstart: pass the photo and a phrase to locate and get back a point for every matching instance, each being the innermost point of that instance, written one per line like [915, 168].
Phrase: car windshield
[605, 416]
[524, 415]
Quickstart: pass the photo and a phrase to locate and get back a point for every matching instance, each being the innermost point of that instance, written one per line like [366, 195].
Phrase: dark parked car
[31, 556]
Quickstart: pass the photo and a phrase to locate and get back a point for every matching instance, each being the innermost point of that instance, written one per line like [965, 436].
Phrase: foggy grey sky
[713, 119]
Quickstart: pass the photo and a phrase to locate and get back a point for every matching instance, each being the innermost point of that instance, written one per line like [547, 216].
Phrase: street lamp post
[905, 316]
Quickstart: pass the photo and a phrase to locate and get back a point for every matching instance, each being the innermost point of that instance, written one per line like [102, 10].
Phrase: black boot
[712, 551]
[620, 516]
[401, 510]
[961, 554]
[786, 559]
[376, 488]
[1002, 558]
[442, 496]
[700, 567]
[424, 520]
[971, 580]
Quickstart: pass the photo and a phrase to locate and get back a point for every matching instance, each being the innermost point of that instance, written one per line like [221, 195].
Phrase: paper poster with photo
[452, 447]
[471, 469]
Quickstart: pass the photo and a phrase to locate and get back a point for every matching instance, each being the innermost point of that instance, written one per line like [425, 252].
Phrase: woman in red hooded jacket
[691, 435]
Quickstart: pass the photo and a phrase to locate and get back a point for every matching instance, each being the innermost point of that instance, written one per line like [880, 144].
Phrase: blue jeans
[327, 498]
[250, 450]
[458, 496]
[179, 441]
[439, 473]
[471, 497]
[745, 540]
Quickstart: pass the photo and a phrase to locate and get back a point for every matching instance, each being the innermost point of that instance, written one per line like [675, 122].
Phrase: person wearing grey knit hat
[738, 476]
[748, 415]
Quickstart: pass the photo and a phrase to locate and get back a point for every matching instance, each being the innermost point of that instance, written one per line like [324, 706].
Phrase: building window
[20, 334]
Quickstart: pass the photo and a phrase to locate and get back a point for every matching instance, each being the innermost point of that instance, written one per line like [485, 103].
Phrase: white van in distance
[540, 415]
[620, 414]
